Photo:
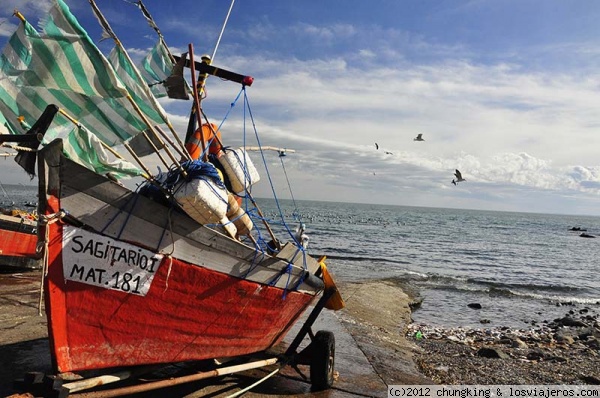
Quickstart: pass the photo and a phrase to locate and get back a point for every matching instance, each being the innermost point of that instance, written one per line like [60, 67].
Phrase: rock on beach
[562, 351]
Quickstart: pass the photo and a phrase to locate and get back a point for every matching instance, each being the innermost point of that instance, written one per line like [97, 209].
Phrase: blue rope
[164, 231]
[300, 282]
[253, 264]
[247, 105]
[294, 213]
[133, 199]
[128, 216]
[247, 113]
[287, 283]
[261, 245]
[197, 169]
[286, 270]
[231, 106]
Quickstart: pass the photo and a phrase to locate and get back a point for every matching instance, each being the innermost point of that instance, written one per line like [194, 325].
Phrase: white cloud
[31, 9]
[510, 131]
[328, 34]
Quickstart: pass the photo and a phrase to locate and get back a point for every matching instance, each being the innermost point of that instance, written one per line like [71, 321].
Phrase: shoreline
[377, 315]
[565, 350]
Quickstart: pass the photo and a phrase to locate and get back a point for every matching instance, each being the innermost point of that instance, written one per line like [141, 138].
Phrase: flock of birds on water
[419, 137]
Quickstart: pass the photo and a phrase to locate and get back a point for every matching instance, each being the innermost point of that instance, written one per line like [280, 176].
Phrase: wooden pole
[262, 217]
[269, 148]
[137, 159]
[183, 152]
[92, 382]
[166, 137]
[154, 26]
[151, 128]
[111, 150]
[76, 122]
[147, 15]
[197, 101]
[117, 392]
[104, 23]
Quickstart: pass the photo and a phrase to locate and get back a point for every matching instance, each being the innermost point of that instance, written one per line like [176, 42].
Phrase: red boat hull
[189, 313]
[18, 241]
[18, 244]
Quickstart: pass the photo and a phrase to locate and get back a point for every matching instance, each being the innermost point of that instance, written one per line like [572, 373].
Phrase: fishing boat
[131, 282]
[18, 237]
[18, 241]
[185, 267]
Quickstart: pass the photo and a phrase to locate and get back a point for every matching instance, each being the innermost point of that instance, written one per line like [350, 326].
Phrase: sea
[522, 268]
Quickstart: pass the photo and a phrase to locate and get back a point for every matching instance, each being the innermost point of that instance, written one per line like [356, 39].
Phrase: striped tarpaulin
[61, 65]
[156, 67]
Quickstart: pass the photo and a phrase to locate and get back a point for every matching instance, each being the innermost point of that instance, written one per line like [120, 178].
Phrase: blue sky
[506, 91]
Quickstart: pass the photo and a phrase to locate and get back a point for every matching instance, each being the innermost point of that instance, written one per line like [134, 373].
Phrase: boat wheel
[322, 360]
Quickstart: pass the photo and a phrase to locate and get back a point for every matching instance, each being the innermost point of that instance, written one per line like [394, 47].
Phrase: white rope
[44, 221]
[222, 30]
[237, 394]
[168, 272]
[18, 148]
[169, 255]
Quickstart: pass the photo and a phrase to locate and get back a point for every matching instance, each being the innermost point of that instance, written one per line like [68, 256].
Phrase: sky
[508, 92]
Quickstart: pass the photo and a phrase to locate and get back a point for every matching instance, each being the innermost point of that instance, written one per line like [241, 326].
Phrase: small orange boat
[18, 241]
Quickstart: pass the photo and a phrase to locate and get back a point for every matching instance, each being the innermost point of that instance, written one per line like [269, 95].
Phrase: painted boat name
[95, 260]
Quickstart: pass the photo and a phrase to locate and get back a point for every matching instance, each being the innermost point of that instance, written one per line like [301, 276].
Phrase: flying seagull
[376, 146]
[459, 177]
[388, 153]
[419, 138]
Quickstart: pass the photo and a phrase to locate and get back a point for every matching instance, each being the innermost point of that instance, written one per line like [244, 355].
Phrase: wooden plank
[290, 253]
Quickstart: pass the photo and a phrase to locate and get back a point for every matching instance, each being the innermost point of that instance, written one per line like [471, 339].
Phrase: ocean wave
[359, 259]
[469, 283]
[497, 291]
[525, 286]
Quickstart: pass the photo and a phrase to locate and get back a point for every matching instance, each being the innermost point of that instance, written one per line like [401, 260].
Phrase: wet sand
[371, 348]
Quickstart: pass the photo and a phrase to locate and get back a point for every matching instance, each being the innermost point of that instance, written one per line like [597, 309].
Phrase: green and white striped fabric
[86, 149]
[156, 67]
[130, 74]
[5, 126]
[62, 66]
[131, 78]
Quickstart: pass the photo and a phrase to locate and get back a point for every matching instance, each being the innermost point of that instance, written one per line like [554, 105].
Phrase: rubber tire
[322, 362]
